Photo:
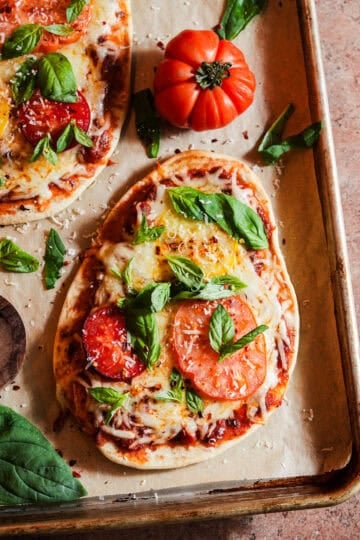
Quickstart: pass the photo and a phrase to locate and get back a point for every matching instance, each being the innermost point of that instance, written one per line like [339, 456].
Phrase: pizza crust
[82, 296]
[107, 89]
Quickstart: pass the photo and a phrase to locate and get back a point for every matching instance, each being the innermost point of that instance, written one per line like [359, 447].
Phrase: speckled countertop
[339, 22]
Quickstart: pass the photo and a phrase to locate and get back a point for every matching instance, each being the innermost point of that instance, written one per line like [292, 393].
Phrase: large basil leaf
[22, 41]
[274, 133]
[147, 234]
[147, 121]
[31, 469]
[23, 83]
[238, 14]
[109, 396]
[234, 217]
[151, 299]
[54, 258]
[14, 259]
[185, 202]
[56, 78]
[209, 291]
[186, 271]
[44, 148]
[59, 29]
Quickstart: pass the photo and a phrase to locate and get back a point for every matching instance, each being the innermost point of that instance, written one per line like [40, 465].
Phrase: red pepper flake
[16, 387]
[72, 462]
[76, 474]
[161, 45]
[214, 140]
[177, 151]
[245, 134]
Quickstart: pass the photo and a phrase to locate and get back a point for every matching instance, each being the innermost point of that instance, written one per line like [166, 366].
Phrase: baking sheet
[310, 433]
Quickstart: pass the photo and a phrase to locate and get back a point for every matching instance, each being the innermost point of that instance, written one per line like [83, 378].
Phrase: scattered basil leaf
[125, 276]
[54, 258]
[31, 469]
[221, 329]
[23, 40]
[177, 387]
[186, 271]
[234, 217]
[59, 29]
[185, 202]
[2, 181]
[43, 148]
[23, 83]
[147, 121]
[234, 283]
[305, 139]
[230, 348]
[193, 401]
[109, 396]
[238, 13]
[272, 148]
[147, 234]
[274, 133]
[145, 337]
[56, 78]
[65, 139]
[71, 132]
[14, 259]
[74, 9]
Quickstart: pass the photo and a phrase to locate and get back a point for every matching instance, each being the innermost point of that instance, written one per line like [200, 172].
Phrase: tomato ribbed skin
[181, 99]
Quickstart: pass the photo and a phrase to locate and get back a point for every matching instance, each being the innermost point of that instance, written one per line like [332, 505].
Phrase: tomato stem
[211, 74]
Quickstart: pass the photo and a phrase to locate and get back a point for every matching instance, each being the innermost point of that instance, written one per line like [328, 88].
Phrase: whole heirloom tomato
[203, 82]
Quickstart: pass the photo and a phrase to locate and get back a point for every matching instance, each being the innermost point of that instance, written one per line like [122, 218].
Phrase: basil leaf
[109, 396]
[2, 181]
[22, 41]
[23, 83]
[235, 218]
[238, 14]
[221, 329]
[43, 148]
[147, 121]
[230, 348]
[31, 469]
[59, 29]
[81, 136]
[14, 259]
[176, 392]
[151, 299]
[146, 233]
[54, 258]
[234, 283]
[305, 139]
[186, 271]
[74, 9]
[65, 139]
[56, 78]
[274, 133]
[185, 202]
[145, 337]
[210, 291]
[193, 401]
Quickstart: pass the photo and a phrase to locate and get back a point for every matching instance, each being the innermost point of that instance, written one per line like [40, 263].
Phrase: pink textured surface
[340, 37]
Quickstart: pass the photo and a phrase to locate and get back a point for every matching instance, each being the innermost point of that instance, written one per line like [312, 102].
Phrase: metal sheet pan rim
[275, 495]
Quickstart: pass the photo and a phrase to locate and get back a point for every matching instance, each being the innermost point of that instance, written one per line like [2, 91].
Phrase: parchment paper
[310, 433]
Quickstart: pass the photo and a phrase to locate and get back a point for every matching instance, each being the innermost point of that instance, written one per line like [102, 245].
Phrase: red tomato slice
[238, 376]
[107, 345]
[39, 116]
[14, 13]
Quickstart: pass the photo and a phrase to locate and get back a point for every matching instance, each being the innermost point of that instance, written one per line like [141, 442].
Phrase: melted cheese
[155, 421]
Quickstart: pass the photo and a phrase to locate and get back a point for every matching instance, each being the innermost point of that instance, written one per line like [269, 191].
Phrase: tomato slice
[107, 345]
[14, 13]
[39, 116]
[238, 376]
